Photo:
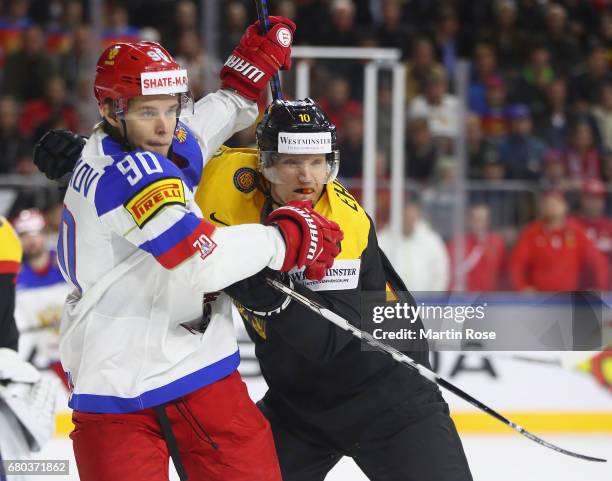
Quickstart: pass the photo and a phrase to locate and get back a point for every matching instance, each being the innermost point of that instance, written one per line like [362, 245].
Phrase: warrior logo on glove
[258, 57]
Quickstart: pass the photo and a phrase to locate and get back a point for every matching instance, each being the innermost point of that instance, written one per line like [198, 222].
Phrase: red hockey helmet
[127, 70]
[29, 221]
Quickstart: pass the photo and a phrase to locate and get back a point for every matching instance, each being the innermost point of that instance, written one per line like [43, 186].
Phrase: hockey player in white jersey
[146, 339]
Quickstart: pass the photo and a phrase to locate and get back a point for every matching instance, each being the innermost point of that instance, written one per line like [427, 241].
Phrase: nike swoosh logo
[213, 217]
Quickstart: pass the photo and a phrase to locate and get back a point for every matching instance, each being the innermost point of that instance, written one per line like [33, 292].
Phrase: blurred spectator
[479, 149]
[13, 146]
[78, 59]
[12, 26]
[446, 39]
[59, 33]
[520, 151]
[563, 47]
[483, 260]
[421, 259]
[337, 103]
[552, 124]
[439, 196]
[606, 165]
[418, 13]
[530, 15]
[421, 64]
[343, 31]
[118, 28]
[183, 17]
[591, 217]
[506, 205]
[192, 57]
[551, 253]
[392, 31]
[440, 108]
[535, 77]
[351, 147]
[286, 8]
[312, 23]
[586, 85]
[508, 39]
[605, 34]
[494, 114]
[53, 216]
[421, 151]
[602, 111]
[485, 67]
[27, 70]
[582, 18]
[55, 104]
[236, 20]
[582, 158]
[554, 175]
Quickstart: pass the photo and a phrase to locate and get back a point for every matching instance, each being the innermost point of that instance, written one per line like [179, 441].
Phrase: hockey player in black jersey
[327, 397]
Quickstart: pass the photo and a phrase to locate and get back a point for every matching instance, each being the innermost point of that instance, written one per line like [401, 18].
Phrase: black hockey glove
[56, 153]
[255, 295]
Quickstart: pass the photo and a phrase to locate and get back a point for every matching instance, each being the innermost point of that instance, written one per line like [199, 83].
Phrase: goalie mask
[296, 134]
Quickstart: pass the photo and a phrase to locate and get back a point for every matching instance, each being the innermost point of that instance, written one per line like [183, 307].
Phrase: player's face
[150, 122]
[301, 176]
[33, 244]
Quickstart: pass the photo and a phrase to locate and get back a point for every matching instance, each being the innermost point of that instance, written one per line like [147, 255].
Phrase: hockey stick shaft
[262, 15]
[422, 370]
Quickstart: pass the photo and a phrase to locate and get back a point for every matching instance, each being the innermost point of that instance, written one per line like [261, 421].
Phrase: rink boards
[530, 388]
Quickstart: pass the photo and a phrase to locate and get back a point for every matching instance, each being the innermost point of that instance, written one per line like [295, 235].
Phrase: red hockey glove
[601, 367]
[310, 239]
[258, 57]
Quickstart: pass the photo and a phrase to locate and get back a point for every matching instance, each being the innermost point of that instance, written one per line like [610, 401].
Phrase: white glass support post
[370, 116]
[397, 161]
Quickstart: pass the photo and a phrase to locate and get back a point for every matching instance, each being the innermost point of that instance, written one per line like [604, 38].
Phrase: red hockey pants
[112, 447]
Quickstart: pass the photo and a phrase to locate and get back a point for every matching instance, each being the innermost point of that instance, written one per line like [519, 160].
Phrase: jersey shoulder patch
[228, 191]
[145, 203]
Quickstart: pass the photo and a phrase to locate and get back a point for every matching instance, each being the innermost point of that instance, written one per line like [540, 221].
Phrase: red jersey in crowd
[600, 232]
[552, 259]
[482, 263]
[583, 166]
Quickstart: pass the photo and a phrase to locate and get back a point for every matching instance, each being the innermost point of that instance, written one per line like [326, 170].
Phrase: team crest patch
[112, 53]
[181, 134]
[149, 200]
[245, 179]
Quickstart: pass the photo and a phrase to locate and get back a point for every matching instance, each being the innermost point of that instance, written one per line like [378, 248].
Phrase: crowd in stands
[539, 104]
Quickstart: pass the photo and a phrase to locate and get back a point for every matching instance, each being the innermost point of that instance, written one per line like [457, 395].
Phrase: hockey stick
[262, 15]
[422, 370]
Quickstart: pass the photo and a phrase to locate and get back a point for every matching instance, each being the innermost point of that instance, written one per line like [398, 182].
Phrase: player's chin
[158, 147]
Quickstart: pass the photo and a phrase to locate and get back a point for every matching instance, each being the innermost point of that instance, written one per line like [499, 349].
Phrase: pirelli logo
[148, 201]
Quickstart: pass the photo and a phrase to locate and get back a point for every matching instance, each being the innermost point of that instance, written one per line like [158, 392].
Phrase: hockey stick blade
[264, 25]
[422, 370]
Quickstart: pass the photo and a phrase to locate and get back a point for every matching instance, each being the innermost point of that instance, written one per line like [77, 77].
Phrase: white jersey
[137, 330]
[39, 300]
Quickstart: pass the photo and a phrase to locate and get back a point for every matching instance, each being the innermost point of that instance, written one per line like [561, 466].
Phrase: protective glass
[289, 168]
[184, 109]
